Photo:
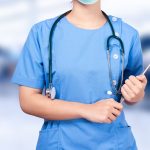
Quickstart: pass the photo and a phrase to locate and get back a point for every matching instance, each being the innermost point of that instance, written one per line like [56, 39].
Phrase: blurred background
[20, 131]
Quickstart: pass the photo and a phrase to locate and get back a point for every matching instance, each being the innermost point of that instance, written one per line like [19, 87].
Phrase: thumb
[141, 78]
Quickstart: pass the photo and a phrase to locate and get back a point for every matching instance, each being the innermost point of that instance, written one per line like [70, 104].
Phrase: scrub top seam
[59, 136]
[116, 137]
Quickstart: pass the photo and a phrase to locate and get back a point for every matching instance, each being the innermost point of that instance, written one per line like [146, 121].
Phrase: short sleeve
[135, 60]
[29, 69]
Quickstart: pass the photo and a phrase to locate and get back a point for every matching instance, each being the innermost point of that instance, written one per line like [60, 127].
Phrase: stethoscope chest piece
[51, 92]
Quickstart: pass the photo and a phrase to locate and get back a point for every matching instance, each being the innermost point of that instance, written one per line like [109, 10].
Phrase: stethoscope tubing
[113, 36]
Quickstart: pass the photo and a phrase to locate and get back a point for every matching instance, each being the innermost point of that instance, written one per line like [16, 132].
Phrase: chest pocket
[116, 62]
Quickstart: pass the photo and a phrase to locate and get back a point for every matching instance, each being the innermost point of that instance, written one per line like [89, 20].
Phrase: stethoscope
[51, 90]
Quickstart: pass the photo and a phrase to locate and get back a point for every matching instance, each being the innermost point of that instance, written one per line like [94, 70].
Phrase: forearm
[43, 107]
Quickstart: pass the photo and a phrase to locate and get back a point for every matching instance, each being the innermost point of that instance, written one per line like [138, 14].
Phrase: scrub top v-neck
[80, 73]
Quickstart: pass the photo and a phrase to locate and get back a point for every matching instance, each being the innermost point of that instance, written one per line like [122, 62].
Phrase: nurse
[84, 115]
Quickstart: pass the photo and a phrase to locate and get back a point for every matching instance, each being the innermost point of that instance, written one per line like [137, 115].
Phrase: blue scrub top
[80, 74]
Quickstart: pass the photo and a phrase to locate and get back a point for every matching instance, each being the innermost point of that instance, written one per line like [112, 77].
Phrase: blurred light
[11, 11]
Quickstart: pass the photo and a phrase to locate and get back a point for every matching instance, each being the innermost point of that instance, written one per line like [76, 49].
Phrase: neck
[86, 13]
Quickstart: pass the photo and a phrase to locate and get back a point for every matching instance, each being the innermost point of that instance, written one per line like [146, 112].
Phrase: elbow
[24, 105]
[24, 109]
[26, 99]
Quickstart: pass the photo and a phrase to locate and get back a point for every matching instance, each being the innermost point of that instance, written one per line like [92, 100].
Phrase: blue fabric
[80, 73]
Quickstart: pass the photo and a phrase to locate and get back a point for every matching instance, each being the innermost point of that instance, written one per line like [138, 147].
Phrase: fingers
[117, 105]
[133, 85]
[142, 78]
[133, 89]
[111, 110]
[138, 81]
[112, 117]
[116, 109]
[134, 81]
[108, 120]
[116, 112]
[124, 93]
[129, 92]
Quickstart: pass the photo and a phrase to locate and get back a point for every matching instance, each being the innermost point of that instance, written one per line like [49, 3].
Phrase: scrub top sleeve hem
[38, 84]
[29, 70]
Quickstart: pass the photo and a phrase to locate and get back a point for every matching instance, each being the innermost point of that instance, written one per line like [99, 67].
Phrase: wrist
[82, 109]
[129, 102]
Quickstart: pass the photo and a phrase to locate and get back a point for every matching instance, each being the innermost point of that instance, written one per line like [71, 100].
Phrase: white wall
[17, 17]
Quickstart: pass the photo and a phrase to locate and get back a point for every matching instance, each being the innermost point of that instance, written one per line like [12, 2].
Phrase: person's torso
[80, 73]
